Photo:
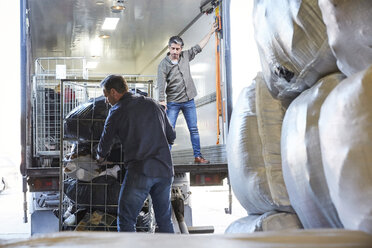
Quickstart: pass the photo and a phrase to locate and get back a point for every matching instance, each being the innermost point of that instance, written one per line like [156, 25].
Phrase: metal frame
[93, 207]
[45, 102]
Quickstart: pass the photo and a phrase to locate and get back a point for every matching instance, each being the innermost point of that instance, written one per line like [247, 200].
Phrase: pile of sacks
[89, 185]
[86, 184]
[300, 137]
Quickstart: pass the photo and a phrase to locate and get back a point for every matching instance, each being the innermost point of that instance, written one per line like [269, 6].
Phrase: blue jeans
[189, 112]
[133, 193]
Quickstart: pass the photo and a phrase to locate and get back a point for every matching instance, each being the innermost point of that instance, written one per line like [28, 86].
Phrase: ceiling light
[117, 6]
[100, 2]
[117, 9]
[91, 64]
[104, 36]
[110, 23]
[96, 46]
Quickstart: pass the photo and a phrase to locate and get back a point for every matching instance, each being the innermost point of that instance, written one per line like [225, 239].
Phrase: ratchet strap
[218, 75]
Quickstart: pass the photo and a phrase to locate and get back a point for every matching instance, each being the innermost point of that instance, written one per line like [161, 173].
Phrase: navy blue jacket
[145, 133]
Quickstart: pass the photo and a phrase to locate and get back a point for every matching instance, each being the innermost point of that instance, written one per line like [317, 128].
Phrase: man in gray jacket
[175, 81]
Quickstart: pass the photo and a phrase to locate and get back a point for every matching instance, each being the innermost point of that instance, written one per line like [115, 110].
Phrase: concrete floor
[208, 204]
[11, 206]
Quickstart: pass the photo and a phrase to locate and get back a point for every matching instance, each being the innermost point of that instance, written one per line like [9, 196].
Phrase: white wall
[245, 60]
[10, 80]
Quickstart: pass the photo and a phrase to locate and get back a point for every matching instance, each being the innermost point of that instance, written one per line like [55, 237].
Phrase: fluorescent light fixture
[110, 23]
[92, 64]
[117, 6]
[117, 9]
[96, 47]
[100, 2]
[104, 36]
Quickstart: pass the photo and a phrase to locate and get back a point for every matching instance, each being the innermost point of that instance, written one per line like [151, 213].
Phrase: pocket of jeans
[136, 180]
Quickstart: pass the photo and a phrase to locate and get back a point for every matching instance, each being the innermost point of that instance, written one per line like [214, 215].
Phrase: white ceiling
[64, 28]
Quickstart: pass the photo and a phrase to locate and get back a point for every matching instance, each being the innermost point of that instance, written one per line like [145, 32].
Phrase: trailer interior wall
[136, 46]
[203, 70]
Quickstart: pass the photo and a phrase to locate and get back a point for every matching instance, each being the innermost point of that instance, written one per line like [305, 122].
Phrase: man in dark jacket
[145, 133]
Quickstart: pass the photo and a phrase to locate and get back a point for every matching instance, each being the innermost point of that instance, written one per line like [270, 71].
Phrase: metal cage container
[90, 192]
[46, 101]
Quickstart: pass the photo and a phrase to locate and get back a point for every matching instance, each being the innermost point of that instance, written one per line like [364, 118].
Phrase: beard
[175, 56]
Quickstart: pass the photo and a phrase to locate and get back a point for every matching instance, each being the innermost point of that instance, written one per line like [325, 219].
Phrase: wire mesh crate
[89, 192]
[46, 101]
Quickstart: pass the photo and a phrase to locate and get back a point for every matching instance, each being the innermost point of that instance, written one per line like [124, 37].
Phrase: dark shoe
[201, 160]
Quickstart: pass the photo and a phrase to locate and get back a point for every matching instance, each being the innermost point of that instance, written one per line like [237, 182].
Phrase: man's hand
[214, 27]
[163, 103]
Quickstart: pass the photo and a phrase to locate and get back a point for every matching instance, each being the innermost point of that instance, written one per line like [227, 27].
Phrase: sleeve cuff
[198, 48]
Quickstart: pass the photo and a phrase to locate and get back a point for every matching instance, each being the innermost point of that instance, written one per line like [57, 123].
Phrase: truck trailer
[67, 49]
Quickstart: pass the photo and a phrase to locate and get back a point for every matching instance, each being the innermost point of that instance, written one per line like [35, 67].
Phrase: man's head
[175, 46]
[114, 87]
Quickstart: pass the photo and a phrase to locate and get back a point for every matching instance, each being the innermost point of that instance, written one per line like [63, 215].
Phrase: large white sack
[345, 128]
[249, 176]
[270, 114]
[270, 221]
[293, 46]
[349, 28]
[302, 159]
[244, 154]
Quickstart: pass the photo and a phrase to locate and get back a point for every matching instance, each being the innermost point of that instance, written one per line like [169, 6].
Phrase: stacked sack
[86, 121]
[349, 32]
[345, 120]
[303, 169]
[326, 137]
[89, 186]
[293, 47]
[326, 151]
[345, 127]
[327, 131]
[294, 52]
[345, 123]
[254, 162]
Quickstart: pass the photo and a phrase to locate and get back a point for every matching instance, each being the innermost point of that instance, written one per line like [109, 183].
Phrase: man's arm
[205, 40]
[107, 136]
[161, 81]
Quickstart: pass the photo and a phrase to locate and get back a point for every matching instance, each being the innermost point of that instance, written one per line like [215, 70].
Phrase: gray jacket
[175, 80]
